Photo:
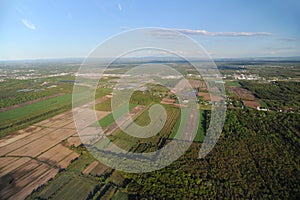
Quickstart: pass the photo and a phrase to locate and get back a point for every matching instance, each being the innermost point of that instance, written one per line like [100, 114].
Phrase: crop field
[120, 196]
[104, 106]
[242, 93]
[57, 156]
[233, 83]
[90, 167]
[109, 119]
[74, 141]
[198, 84]
[209, 97]
[201, 131]
[251, 104]
[27, 163]
[26, 157]
[109, 193]
[199, 137]
[14, 119]
[55, 186]
[68, 186]
[77, 188]
[48, 161]
[128, 142]
[99, 169]
[106, 121]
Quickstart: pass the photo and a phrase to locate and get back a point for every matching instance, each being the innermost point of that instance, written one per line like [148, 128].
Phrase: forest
[256, 158]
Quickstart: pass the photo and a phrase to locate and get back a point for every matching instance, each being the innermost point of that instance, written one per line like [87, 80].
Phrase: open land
[42, 156]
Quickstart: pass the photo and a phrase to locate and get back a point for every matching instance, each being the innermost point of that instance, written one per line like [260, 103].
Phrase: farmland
[27, 161]
[23, 116]
[104, 106]
[125, 141]
[32, 163]
[255, 157]
[109, 119]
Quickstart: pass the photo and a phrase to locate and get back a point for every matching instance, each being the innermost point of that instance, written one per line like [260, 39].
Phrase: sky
[225, 29]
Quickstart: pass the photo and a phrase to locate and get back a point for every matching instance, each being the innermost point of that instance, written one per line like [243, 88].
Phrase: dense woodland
[256, 157]
[280, 95]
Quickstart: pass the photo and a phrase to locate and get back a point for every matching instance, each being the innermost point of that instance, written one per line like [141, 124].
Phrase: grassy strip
[177, 131]
[25, 116]
[233, 83]
[27, 111]
[134, 144]
[104, 106]
[109, 119]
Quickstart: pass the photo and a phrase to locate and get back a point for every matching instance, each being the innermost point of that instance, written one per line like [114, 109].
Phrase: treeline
[277, 95]
[21, 97]
[143, 98]
[255, 158]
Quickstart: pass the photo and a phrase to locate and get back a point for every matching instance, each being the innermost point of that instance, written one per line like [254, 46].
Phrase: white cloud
[28, 24]
[166, 33]
[119, 6]
[207, 33]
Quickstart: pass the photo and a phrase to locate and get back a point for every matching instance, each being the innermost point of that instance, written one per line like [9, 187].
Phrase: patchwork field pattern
[31, 157]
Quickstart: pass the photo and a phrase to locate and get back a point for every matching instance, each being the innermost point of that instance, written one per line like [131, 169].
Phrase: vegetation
[255, 158]
[109, 119]
[199, 137]
[233, 83]
[128, 142]
[279, 95]
[24, 116]
[104, 106]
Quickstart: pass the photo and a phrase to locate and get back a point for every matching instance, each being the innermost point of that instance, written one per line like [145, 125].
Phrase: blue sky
[58, 29]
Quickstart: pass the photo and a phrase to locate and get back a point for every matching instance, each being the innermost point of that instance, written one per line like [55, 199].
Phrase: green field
[42, 107]
[22, 117]
[200, 135]
[78, 188]
[55, 186]
[233, 83]
[104, 106]
[120, 196]
[71, 183]
[109, 119]
[128, 142]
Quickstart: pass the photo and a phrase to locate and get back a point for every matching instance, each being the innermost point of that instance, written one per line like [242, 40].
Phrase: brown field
[12, 166]
[101, 114]
[197, 84]
[167, 101]
[57, 154]
[31, 157]
[65, 162]
[18, 135]
[99, 169]
[35, 184]
[90, 167]
[74, 141]
[251, 104]
[36, 147]
[124, 119]
[242, 93]
[207, 97]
